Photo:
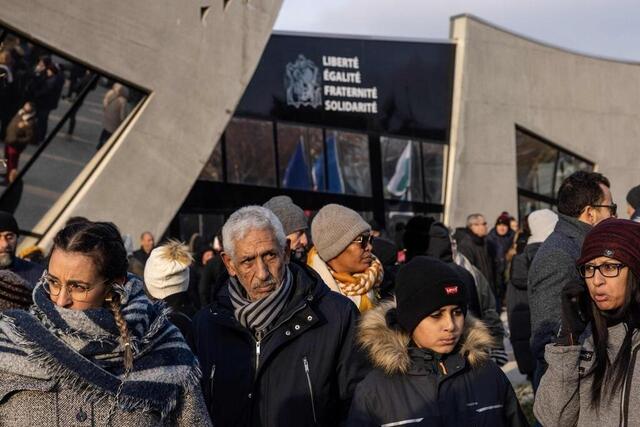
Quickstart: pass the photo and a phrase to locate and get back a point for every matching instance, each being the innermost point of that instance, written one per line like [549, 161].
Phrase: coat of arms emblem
[302, 83]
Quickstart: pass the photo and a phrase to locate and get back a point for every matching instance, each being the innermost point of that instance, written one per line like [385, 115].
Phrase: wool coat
[30, 402]
[301, 373]
[551, 269]
[476, 250]
[416, 387]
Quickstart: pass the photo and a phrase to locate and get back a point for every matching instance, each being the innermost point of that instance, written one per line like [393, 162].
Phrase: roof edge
[540, 42]
[360, 37]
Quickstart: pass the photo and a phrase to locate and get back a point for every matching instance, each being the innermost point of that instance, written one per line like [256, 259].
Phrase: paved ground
[61, 161]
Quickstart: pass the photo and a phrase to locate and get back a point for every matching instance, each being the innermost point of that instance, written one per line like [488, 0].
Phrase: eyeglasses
[77, 290]
[363, 240]
[478, 223]
[608, 269]
[613, 208]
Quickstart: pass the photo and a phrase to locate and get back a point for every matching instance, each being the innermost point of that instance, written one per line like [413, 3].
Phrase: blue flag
[297, 173]
[335, 182]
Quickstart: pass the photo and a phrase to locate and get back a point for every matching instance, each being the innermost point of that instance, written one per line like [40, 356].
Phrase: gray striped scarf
[82, 350]
[259, 315]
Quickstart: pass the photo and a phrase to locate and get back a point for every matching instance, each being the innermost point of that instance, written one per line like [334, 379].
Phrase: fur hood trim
[388, 347]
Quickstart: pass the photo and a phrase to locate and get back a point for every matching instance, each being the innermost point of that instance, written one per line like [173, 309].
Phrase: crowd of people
[278, 320]
[31, 87]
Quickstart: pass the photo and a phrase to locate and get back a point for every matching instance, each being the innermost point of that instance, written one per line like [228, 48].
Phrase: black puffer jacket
[302, 373]
[518, 312]
[411, 386]
[476, 250]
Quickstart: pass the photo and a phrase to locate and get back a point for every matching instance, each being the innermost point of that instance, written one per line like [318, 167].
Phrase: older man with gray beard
[9, 233]
[276, 346]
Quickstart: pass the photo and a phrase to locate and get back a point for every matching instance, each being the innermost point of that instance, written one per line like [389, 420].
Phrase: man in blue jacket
[276, 346]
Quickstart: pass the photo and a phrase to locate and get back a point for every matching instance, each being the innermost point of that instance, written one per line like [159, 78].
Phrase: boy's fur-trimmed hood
[388, 347]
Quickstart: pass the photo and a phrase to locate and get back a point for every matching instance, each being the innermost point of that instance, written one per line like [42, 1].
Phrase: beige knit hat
[167, 269]
[334, 228]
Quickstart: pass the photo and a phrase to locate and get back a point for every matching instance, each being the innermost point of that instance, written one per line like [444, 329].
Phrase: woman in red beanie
[593, 378]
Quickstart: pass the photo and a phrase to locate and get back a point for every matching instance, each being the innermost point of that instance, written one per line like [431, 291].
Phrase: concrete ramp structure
[193, 58]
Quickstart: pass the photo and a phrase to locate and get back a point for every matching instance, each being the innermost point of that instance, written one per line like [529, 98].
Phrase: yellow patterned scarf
[360, 284]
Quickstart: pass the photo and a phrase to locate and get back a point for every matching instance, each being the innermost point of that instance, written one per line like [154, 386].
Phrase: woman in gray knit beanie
[342, 255]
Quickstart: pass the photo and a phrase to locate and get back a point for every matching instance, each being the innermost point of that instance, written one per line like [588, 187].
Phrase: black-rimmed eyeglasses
[613, 208]
[608, 269]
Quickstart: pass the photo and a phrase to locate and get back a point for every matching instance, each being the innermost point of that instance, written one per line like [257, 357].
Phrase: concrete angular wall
[194, 57]
[587, 105]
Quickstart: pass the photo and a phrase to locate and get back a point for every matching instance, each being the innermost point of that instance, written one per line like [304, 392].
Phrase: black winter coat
[302, 373]
[476, 250]
[416, 387]
[518, 312]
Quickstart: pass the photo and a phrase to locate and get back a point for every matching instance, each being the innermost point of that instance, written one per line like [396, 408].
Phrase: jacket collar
[307, 287]
[572, 227]
[389, 347]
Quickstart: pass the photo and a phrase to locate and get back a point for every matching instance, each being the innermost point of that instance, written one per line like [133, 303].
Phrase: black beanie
[424, 285]
[8, 223]
[633, 197]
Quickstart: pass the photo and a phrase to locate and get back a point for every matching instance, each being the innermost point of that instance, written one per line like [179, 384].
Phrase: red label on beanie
[451, 290]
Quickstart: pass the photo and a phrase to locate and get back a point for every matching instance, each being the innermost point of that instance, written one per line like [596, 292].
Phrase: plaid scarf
[81, 349]
[259, 315]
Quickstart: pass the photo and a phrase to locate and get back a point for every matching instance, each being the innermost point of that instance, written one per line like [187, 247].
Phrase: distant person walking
[147, 243]
[20, 133]
[48, 85]
[115, 111]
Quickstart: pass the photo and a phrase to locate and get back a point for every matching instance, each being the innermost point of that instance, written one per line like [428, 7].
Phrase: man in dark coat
[49, 81]
[147, 243]
[584, 199]
[472, 244]
[276, 345]
[9, 233]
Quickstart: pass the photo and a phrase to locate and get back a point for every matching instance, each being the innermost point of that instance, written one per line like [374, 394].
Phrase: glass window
[433, 169]
[212, 170]
[348, 167]
[526, 205]
[250, 152]
[401, 166]
[55, 114]
[300, 157]
[541, 169]
[536, 162]
[568, 164]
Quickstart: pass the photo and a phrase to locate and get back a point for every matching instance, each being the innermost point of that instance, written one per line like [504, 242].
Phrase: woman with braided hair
[92, 349]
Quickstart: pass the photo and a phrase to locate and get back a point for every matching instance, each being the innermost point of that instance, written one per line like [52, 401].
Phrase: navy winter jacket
[302, 373]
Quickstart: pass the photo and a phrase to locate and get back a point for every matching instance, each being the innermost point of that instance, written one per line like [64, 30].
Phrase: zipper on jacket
[306, 371]
[258, 341]
[211, 377]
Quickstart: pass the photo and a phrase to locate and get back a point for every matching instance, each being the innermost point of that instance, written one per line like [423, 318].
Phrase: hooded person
[431, 360]
[593, 374]
[541, 223]
[342, 255]
[294, 223]
[166, 277]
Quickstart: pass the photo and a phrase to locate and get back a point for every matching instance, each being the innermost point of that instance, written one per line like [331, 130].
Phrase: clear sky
[603, 28]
